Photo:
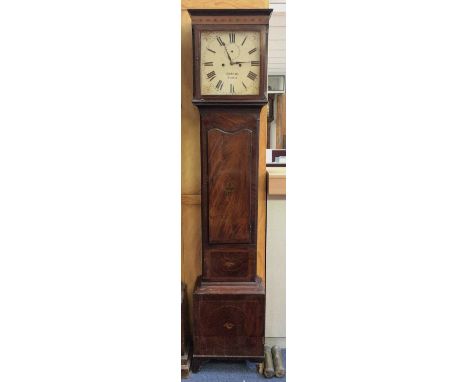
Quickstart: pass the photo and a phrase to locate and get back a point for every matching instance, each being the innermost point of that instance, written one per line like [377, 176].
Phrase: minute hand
[230, 60]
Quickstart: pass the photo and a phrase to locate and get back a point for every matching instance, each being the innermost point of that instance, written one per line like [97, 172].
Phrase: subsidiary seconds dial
[230, 63]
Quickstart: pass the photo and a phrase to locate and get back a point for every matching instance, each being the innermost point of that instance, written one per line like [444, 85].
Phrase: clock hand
[230, 60]
[241, 62]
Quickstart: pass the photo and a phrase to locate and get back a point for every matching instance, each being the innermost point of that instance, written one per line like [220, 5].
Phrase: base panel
[229, 321]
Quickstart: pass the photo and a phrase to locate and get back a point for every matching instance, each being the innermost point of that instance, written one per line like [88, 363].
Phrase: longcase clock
[229, 89]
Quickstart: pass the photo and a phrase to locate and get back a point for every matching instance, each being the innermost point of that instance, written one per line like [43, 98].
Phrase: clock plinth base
[229, 321]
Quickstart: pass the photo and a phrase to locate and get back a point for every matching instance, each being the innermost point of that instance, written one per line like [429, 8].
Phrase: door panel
[230, 158]
[229, 264]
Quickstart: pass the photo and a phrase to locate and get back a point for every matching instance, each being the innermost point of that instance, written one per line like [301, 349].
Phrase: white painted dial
[230, 63]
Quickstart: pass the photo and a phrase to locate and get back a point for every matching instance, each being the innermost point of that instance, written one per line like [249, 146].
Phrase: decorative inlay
[228, 325]
[229, 188]
[229, 20]
[229, 264]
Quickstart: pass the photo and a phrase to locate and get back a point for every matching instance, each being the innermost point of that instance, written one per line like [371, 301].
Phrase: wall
[277, 38]
[191, 215]
[275, 329]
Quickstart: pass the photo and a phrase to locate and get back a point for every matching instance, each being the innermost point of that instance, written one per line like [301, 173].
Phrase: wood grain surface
[229, 320]
[229, 213]
[261, 217]
[277, 181]
[229, 163]
[232, 4]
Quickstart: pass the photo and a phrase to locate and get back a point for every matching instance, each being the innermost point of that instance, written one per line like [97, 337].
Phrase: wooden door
[229, 156]
[229, 183]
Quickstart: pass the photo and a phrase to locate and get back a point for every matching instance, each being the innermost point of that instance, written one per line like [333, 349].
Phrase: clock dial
[230, 63]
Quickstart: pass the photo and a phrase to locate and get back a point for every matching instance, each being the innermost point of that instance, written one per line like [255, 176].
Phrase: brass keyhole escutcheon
[228, 325]
[229, 264]
[229, 188]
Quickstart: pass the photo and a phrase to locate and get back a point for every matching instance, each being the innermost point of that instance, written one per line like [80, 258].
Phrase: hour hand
[240, 62]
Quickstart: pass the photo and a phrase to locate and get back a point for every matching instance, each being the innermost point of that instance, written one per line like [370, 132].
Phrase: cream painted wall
[275, 329]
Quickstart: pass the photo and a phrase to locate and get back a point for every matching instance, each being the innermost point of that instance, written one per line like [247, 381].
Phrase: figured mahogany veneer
[230, 264]
[229, 152]
[229, 185]
[229, 320]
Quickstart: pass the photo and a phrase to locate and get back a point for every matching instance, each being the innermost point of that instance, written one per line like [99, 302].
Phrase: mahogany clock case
[230, 20]
[229, 299]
